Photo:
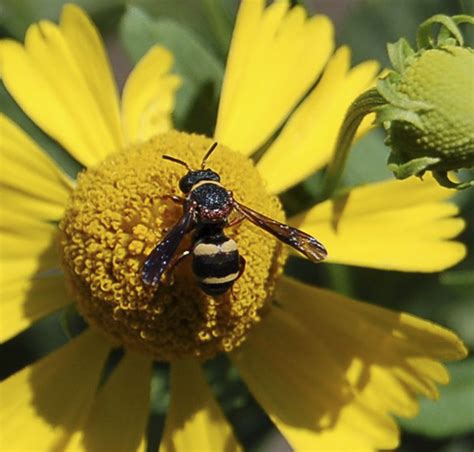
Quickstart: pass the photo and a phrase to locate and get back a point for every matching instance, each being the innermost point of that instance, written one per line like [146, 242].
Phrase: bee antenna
[174, 159]
[208, 153]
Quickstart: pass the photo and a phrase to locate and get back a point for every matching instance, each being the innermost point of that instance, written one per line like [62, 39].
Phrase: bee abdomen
[216, 265]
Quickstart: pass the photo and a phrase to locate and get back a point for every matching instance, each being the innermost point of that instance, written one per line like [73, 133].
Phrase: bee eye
[213, 176]
[185, 184]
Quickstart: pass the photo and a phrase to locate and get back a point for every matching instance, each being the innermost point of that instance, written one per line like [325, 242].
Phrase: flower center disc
[117, 215]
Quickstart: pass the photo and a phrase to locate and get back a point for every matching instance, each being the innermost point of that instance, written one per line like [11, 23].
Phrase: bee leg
[167, 278]
[241, 267]
[175, 198]
[237, 220]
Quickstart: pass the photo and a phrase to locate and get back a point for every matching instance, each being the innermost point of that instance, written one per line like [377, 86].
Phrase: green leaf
[201, 71]
[453, 413]
[17, 15]
[405, 168]
[211, 20]
[424, 38]
[398, 53]
[390, 93]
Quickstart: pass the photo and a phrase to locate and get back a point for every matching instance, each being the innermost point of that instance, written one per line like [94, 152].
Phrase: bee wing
[299, 240]
[159, 259]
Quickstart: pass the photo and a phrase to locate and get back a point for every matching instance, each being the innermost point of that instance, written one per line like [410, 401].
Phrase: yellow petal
[389, 356]
[86, 45]
[25, 301]
[194, 420]
[28, 247]
[348, 365]
[303, 388]
[23, 237]
[247, 24]
[61, 79]
[275, 56]
[119, 414]
[307, 141]
[43, 404]
[30, 181]
[149, 96]
[393, 225]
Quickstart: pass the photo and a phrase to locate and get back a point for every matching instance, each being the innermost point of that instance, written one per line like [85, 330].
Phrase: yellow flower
[329, 371]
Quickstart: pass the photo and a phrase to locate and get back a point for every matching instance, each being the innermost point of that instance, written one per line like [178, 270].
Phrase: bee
[207, 206]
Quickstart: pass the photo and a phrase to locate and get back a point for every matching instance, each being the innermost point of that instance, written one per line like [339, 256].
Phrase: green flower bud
[429, 113]
[426, 104]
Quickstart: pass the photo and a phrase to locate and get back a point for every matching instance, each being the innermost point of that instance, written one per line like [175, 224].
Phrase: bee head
[188, 181]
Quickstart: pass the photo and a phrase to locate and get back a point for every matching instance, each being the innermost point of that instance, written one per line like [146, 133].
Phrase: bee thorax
[213, 201]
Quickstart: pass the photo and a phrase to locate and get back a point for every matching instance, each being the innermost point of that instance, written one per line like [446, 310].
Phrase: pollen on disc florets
[119, 212]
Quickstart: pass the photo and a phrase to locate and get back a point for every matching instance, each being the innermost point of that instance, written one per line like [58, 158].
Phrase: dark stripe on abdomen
[216, 265]
[215, 289]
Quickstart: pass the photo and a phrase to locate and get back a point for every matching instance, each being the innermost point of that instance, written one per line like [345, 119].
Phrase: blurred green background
[198, 33]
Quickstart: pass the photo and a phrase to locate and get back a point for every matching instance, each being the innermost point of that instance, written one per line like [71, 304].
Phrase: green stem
[366, 103]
